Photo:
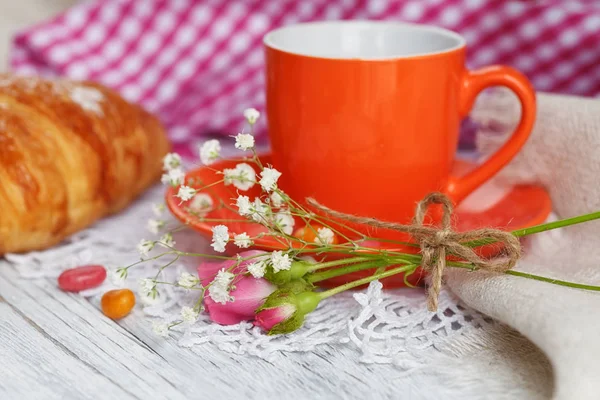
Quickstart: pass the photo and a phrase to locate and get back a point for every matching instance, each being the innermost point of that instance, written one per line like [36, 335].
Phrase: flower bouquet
[276, 287]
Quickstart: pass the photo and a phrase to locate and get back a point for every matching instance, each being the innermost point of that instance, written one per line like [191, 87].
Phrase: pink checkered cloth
[198, 64]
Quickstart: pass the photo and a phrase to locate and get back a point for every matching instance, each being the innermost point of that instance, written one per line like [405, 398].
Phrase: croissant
[70, 153]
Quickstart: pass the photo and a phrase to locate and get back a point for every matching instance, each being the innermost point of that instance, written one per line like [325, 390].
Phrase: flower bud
[284, 311]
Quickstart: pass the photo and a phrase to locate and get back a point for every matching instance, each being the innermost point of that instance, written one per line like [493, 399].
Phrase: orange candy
[309, 234]
[117, 303]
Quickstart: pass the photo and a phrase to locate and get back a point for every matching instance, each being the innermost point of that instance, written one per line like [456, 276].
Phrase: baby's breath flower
[257, 269]
[242, 176]
[187, 280]
[260, 210]
[210, 151]
[251, 115]
[285, 222]
[171, 161]
[276, 199]
[324, 236]
[147, 286]
[223, 278]
[201, 204]
[144, 247]
[174, 177]
[188, 314]
[185, 193]
[268, 179]
[151, 299]
[280, 261]
[167, 240]
[155, 225]
[220, 238]
[160, 329]
[158, 209]
[219, 288]
[244, 206]
[244, 141]
[242, 240]
[118, 276]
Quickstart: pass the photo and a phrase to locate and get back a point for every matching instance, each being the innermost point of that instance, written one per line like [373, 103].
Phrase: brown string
[436, 243]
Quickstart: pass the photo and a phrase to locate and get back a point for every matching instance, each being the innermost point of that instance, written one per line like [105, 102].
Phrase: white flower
[218, 294]
[171, 161]
[242, 176]
[220, 238]
[210, 151]
[257, 269]
[219, 288]
[185, 193]
[188, 314]
[223, 278]
[158, 209]
[160, 329]
[260, 210]
[324, 236]
[152, 299]
[147, 286]
[268, 178]
[280, 261]
[251, 115]
[144, 247]
[201, 204]
[276, 199]
[118, 276]
[242, 240]
[155, 225]
[244, 141]
[174, 177]
[244, 206]
[285, 222]
[187, 280]
[167, 240]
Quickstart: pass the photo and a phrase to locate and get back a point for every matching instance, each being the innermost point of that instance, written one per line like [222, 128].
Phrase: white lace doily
[384, 326]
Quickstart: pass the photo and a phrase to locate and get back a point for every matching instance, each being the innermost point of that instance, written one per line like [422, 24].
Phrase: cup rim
[268, 40]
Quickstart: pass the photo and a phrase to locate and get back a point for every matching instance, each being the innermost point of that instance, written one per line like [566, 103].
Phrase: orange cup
[364, 116]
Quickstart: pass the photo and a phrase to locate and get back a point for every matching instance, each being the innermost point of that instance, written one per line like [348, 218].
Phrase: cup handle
[474, 82]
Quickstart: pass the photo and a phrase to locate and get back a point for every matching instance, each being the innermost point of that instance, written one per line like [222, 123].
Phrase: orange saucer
[491, 205]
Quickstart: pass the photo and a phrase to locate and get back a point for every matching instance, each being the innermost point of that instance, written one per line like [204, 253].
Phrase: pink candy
[81, 278]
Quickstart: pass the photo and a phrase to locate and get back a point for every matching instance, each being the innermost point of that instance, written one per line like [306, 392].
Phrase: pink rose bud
[267, 319]
[284, 311]
[249, 293]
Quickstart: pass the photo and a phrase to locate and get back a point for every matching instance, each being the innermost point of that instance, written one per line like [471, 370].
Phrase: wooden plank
[69, 322]
[130, 356]
[35, 365]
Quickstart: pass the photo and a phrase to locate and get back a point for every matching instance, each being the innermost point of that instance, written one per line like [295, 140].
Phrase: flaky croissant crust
[70, 153]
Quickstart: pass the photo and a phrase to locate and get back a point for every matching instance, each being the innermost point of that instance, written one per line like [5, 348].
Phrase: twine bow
[436, 243]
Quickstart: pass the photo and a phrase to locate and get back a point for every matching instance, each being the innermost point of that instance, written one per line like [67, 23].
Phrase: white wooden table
[57, 345]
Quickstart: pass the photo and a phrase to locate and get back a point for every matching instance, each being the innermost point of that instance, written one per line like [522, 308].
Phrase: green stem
[556, 224]
[360, 282]
[541, 228]
[559, 282]
[332, 273]
[336, 263]
[553, 281]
